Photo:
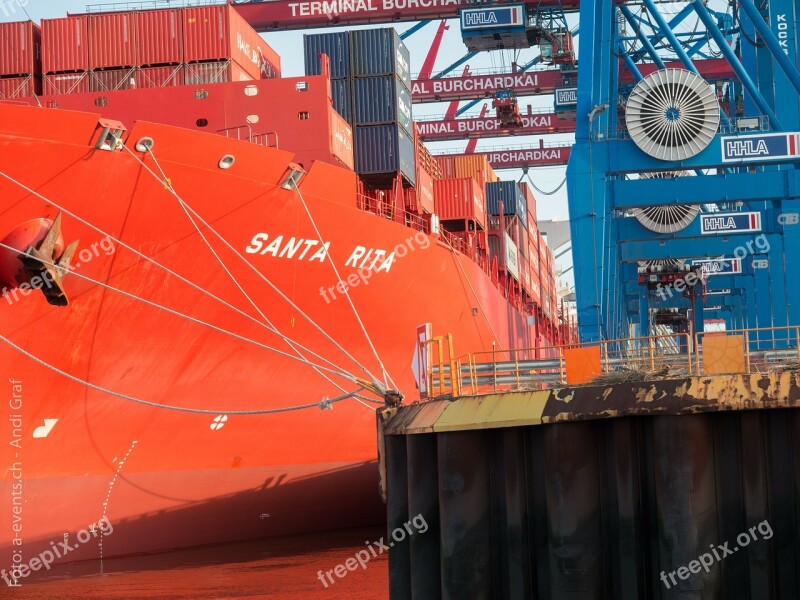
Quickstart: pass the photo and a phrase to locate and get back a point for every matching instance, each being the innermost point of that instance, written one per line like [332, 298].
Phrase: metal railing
[764, 350]
[148, 5]
[245, 133]
[543, 368]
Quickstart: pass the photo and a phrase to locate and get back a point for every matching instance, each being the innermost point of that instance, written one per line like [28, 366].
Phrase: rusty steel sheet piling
[599, 492]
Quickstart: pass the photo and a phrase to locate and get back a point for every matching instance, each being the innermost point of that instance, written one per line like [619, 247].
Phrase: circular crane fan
[672, 114]
[666, 218]
[667, 263]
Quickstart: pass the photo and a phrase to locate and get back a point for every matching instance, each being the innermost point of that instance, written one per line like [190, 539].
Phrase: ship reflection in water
[281, 568]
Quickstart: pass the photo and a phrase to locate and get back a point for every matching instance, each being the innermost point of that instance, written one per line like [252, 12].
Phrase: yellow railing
[632, 359]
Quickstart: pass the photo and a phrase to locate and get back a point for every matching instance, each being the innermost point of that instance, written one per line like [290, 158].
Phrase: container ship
[212, 275]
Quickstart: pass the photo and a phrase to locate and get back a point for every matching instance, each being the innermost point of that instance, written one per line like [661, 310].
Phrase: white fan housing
[666, 218]
[672, 114]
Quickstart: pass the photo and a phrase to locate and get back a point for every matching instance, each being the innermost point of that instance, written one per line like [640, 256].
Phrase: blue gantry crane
[683, 194]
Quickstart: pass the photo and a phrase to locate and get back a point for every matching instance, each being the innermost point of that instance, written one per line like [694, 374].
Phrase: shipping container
[65, 44]
[425, 160]
[342, 95]
[535, 287]
[513, 201]
[530, 199]
[522, 237]
[508, 259]
[66, 83]
[219, 33]
[336, 46]
[533, 230]
[164, 76]
[460, 199]
[379, 52]
[542, 253]
[381, 101]
[533, 257]
[159, 37]
[383, 150]
[112, 40]
[12, 88]
[113, 80]
[474, 166]
[342, 140]
[425, 191]
[524, 275]
[20, 49]
[215, 72]
[447, 166]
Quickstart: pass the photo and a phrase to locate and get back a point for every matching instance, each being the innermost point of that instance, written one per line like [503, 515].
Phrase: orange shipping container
[112, 40]
[530, 200]
[159, 37]
[470, 166]
[341, 139]
[12, 88]
[535, 288]
[460, 198]
[155, 77]
[66, 83]
[425, 192]
[215, 72]
[20, 49]
[65, 44]
[217, 33]
[447, 166]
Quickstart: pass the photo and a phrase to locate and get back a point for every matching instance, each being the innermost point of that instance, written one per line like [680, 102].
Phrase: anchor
[41, 261]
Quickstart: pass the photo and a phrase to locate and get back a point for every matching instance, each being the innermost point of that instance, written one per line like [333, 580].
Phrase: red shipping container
[341, 139]
[533, 230]
[159, 37]
[65, 44]
[542, 253]
[425, 191]
[523, 238]
[66, 83]
[215, 33]
[12, 88]
[535, 288]
[20, 49]
[530, 200]
[112, 40]
[215, 72]
[525, 275]
[155, 77]
[460, 198]
[113, 80]
[447, 166]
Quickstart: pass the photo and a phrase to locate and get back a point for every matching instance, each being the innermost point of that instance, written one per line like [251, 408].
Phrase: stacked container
[370, 88]
[155, 48]
[513, 201]
[460, 204]
[20, 60]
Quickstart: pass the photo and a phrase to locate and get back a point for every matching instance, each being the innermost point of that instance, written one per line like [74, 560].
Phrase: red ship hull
[165, 478]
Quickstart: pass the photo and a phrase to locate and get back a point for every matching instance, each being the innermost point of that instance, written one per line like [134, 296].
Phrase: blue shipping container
[383, 150]
[342, 95]
[336, 46]
[380, 52]
[381, 101]
[514, 204]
